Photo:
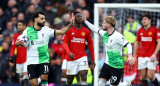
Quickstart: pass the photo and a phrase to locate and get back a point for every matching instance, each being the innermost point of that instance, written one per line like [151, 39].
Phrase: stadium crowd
[58, 15]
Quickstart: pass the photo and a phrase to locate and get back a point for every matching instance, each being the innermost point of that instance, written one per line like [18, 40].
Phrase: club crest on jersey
[150, 33]
[68, 70]
[83, 34]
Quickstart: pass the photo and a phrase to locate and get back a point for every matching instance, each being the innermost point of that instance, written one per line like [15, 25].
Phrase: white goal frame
[96, 23]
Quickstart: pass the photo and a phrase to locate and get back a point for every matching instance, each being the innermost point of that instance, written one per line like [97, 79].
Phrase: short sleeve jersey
[147, 41]
[37, 49]
[114, 44]
[76, 39]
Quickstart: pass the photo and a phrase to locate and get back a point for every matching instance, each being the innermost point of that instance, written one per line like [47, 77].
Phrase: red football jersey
[76, 38]
[21, 51]
[147, 39]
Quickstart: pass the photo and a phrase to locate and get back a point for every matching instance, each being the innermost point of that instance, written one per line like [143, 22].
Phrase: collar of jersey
[35, 29]
[112, 33]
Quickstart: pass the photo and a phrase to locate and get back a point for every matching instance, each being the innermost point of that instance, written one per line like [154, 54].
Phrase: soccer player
[74, 44]
[114, 42]
[37, 49]
[64, 68]
[147, 44]
[20, 60]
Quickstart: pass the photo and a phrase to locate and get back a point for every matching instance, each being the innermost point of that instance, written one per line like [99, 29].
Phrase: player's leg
[116, 75]
[25, 79]
[64, 76]
[33, 74]
[71, 71]
[44, 71]
[104, 75]
[151, 72]
[83, 75]
[70, 79]
[25, 76]
[19, 70]
[142, 67]
[78, 77]
[83, 70]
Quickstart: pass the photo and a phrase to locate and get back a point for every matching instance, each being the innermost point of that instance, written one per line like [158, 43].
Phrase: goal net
[128, 18]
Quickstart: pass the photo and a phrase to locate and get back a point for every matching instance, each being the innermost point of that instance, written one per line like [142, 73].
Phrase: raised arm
[91, 26]
[65, 29]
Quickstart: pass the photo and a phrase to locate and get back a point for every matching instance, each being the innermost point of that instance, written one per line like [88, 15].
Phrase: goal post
[134, 7]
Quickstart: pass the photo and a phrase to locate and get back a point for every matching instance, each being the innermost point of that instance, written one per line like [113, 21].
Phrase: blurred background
[57, 14]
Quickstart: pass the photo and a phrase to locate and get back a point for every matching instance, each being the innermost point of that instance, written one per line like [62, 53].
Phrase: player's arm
[122, 41]
[153, 57]
[21, 42]
[66, 47]
[65, 29]
[136, 45]
[91, 48]
[93, 28]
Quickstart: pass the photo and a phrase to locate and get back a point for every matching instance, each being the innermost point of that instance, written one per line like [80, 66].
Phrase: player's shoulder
[16, 35]
[154, 28]
[86, 29]
[141, 29]
[117, 33]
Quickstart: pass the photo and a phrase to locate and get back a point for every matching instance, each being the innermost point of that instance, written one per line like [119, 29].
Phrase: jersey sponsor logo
[141, 34]
[83, 34]
[78, 40]
[150, 33]
[158, 34]
[146, 39]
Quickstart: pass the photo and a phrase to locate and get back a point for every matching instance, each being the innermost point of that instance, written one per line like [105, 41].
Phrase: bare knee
[69, 79]
[44, 77]
[64, 73]
[34, 82]
[83, 75]
[150, 76]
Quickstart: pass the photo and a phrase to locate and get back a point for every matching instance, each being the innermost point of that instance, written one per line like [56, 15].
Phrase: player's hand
[12, 59]
[131, 60]
[93, 64]
[153, 58]
[73, 18]
[71, 55]
[84, 17]
[19, 42]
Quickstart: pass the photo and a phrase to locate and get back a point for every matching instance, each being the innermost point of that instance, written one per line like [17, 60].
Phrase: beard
[40, 24]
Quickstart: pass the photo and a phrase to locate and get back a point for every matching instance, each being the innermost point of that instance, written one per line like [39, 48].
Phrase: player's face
[145, 21]
[20, 26]
[78, 18]
[105, 25]
[41, 20]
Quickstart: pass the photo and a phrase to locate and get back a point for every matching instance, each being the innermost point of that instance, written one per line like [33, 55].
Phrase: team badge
[83, 34]
[150, 33]
[68, 71]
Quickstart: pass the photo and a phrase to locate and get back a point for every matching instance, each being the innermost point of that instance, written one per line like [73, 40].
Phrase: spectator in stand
[48, 12]
[22, 5]
[30, 11]
[2, 19]
[9, 29]
[8, 11]
[20, 17]
[14, 21]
